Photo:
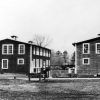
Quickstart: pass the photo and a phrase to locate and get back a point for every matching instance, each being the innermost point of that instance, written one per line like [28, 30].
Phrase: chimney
[30, 42]
[14, 37]
[98, 35]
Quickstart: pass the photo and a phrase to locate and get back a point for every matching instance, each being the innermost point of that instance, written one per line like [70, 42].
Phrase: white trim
[20, 63]
[2, 63]
[88, 48]
[30, 67]
[76, 59]
[7, 49]
[96, 48]
[49, 54]
[19, 48]
[40, 51]
[86, 63]
[37, 50]
[34, 50]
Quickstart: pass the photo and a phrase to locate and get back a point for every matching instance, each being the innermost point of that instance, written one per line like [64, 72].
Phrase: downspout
[30, 65]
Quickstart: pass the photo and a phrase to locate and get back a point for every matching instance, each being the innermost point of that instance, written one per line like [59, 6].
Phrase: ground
[51, 89]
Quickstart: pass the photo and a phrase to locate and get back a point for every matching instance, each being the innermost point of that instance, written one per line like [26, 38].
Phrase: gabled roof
[23, 43]
[84, 41]
[13, 41]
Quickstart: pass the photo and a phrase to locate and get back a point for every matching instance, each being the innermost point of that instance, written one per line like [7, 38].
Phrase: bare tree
[41, 40]
[72, 60]
[66, 57]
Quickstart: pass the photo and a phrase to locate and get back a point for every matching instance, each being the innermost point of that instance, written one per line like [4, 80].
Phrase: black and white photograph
[49, 49]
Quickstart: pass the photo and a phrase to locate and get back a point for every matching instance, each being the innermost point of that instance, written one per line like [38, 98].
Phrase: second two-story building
[87, 56]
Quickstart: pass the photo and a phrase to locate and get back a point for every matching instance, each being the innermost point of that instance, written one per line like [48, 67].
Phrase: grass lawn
[20, 89]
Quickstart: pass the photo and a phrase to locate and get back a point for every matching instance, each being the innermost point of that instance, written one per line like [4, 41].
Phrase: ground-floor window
[20, 61]
[4, 63]
[36, 70]
[86, 61]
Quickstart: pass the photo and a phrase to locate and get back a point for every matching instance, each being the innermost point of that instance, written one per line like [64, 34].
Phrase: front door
[4, 63]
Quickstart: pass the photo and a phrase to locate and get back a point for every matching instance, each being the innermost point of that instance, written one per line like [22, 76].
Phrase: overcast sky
[65, 21]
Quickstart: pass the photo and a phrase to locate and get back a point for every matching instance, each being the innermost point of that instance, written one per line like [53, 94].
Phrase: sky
[64, 21]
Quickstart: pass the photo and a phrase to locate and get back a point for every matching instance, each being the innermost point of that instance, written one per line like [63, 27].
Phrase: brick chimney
[98, 35]
[30, 42]
[14, 37]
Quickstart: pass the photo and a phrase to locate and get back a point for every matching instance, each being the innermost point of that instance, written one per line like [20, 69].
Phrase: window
[41, 63]
[86, 49]
[44, 64]
[20, 61]
[37, 51]
[43, 52]
[34, 50]
[86, 61]
[49, 53]
[34, 70]
[33, 62]
[4, 63]
[97, 48]
[40, 51]
[47, 63]
[7, 49]
[21, 49]
[46, 53]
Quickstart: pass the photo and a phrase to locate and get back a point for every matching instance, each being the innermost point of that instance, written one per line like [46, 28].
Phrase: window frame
[2, 63]
[49, 54]
[34, 50]
[37, 63]
[40, 51]
[7, 49]
[96, 48]
[88, 48]
[37, 50]
[20, 63]
[86, 63]
[19, 49]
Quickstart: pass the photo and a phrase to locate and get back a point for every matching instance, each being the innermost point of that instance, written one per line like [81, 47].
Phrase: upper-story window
[46, 53]
[21, 49]
[34, 50]
[49, 53]
[97, 48]
[7, 49]
[41, 63]
[41, 51]
[37, 51]
[86, 48]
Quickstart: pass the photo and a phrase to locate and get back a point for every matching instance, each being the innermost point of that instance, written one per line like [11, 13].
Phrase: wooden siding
[13, 67]
[94, 66]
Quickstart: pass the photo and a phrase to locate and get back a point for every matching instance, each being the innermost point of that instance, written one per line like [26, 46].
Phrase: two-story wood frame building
[87, 56]
[21, 57]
